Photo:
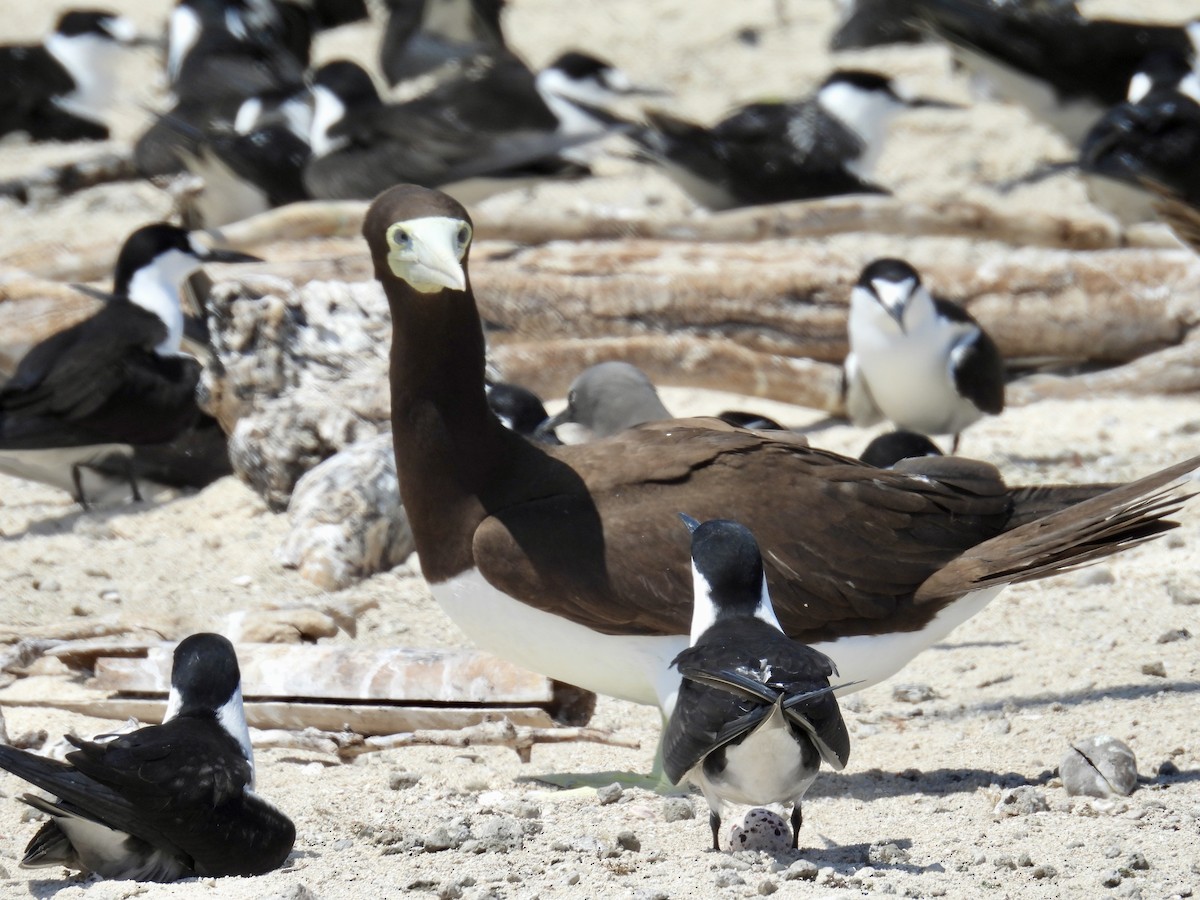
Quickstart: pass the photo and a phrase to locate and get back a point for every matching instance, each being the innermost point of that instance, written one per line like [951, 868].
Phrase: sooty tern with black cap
[920, 362]
[821, 146]
[220, 55]
[166, 801]
[1064, 68]
[85, 398]
[424, 35]
[609, 397]
[887, 449]
[62, 89]
[569, 561]
[1140, 151]
[518, 408]
[495, 126]
[756, 712]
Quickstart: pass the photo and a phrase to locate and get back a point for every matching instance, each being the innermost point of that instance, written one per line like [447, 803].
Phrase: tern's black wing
[185, 783]
[103, 375]
[733, 677]
[976, 364]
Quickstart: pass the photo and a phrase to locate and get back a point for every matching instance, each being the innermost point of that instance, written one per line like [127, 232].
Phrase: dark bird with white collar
[920, 362]
[494, 127]
[1066, 69]
[755, 713]
[166, 801]
[563, 559]
[62, 89]
[87, 397]
[424, 35]
[1141, 151]
[822, 146]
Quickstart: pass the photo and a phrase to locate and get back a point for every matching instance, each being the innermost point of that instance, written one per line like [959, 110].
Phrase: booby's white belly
[636, 667]
[631, 667]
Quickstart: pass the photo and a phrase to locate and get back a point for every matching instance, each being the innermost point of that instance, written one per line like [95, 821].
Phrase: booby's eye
[399, 237]
[464, 235]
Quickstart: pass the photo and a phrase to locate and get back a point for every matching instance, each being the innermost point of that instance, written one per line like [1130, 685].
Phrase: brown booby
[570, 560]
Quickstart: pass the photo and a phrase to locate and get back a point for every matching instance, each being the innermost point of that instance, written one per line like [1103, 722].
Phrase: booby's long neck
[448, 444]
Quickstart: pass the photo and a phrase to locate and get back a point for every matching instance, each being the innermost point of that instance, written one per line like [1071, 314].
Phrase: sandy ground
[1046, 664]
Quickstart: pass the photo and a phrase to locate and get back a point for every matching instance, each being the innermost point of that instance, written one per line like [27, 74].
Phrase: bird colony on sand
[727, 571]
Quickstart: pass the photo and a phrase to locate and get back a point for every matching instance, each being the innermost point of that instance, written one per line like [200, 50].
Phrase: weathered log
[357, 720]
[399, 674]
[675, 359]
[304, 222]
[59, 181]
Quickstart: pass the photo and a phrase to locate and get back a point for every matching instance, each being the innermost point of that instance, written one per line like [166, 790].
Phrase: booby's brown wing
[843, 543]
[1079, 534]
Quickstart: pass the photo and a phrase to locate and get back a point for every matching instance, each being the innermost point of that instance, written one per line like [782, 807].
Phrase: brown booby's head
[420, 236]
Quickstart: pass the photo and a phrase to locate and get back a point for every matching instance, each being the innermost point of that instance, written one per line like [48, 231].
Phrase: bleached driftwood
[360, 720]
[301, 222]
[349, 673]
[59, 181]
[502, 731]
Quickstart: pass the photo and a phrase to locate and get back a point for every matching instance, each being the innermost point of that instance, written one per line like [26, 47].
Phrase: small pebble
[887, 853]
[572, 878]
[676, 809]
[729, 879]
[1156, 669]
[1094, 576]
[1112, 851]
[801, 870]
[627, 840]
[608, 794]
[1111, 878]
[1024, 860]
[1024, 800]
[241, 581]
[399, 781]
[913, 693]
[1004, 862]
[1166, 769]
[1181, 595]
[49, 585]
[1175, 634]
[767, 887]
[1100, 766]
[110, 595]
[1043, 872]
[1137, 862]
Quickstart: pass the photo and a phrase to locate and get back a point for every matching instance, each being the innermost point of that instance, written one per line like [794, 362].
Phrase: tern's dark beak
[230, 256]
[931, 103]
[692, 524]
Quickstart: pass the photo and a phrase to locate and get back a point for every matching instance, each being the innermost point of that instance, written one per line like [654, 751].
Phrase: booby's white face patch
[428, 252]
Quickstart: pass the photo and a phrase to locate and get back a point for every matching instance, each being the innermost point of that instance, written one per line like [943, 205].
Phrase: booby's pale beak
[428, 253]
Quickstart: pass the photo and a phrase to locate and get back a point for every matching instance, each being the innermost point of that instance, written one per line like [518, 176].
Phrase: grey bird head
[609, 397]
